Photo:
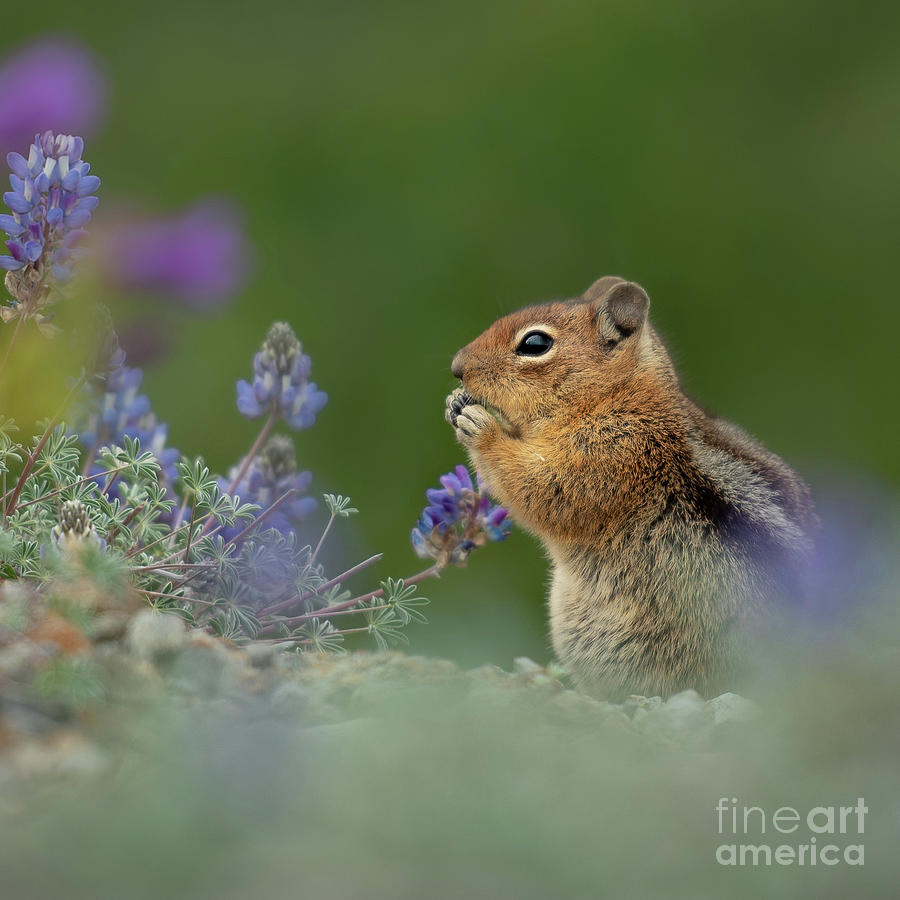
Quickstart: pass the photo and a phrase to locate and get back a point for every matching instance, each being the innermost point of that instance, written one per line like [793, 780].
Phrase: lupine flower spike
[75, 528]
[113, 409]
[459, 518]
[50, 202]
[271, 475]
[281, 382]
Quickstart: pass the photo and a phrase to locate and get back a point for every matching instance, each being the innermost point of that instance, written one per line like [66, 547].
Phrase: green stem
[176, 597]
[292, 601]
[74, 484]
[19, 322]
[180, 517]
[190, 534]
[276, 641]
[322, 539]
[114, 531]
[89, 459]
[430, 572]
[264, 432]
[264, 514]
[165, 537]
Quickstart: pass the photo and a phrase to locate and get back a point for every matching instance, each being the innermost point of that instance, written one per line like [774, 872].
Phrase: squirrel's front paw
[468, 418]
[455, 403]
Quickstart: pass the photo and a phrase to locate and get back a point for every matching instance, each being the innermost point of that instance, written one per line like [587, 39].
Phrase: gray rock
[261, 655]
[731, 707]
[684, 717]
[152, 634]
[110, 625]
[639, 707]
[291, 698]
[524, 664]
[17, 660]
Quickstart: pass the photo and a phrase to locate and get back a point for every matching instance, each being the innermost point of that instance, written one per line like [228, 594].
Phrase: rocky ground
[140, 759]
[64, 689]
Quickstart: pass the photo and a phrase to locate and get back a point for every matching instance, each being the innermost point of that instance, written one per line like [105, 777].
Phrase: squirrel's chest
[615, 595]
[591, 600]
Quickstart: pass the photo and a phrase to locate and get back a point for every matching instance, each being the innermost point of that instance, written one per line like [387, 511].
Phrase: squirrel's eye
[535, 343]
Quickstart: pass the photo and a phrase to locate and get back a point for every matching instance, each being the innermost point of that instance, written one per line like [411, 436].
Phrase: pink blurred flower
[51, 84]
[199, 257]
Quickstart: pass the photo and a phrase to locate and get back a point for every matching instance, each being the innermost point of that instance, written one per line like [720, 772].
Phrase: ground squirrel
[667, 528]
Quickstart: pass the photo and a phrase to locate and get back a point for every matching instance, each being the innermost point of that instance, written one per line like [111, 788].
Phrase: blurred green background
[412, 171]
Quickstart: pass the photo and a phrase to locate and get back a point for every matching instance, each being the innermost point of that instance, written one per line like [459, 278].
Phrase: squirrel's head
[562, 355]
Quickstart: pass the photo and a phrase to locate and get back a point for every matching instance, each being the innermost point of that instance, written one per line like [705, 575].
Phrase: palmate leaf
[60, 455]
[334, 595]
[338, 505]
[227, 509]
[23, 555]
[33, 522]
[86, 491]
[404, 601]
[234, 623]
[323, 636]
[197, 480]
[34, 489]
[30, 559]
[142, 464]
[10, 450]
[384, 625]
[8, 427]
[310, 575]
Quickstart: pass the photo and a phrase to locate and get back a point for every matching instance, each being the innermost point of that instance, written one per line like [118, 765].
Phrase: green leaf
[324, 636]
[404, 600]
[339, 505]
[384, 625]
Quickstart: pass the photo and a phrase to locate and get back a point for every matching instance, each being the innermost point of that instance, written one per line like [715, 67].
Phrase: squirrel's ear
[599, 289]
[622, 311]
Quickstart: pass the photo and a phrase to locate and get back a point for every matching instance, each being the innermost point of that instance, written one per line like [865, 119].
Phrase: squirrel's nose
[456, 367]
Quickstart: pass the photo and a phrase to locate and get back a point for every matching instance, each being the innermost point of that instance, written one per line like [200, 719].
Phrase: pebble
[731, 707]
[526, 665]
[153, 634]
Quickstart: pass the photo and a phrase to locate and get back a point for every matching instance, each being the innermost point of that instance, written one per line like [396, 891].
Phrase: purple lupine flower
[51, 201]
[199, 257]
[459, 517]
[270, 476]
[116, 409]
[51, 83]
[281, 381]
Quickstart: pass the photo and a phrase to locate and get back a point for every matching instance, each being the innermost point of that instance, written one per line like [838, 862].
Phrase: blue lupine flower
[115, 410]
[51, 201]
[281, 381]
[459, 517]
[270, 476]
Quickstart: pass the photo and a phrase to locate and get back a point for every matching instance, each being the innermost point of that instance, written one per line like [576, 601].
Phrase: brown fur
[666, 528]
